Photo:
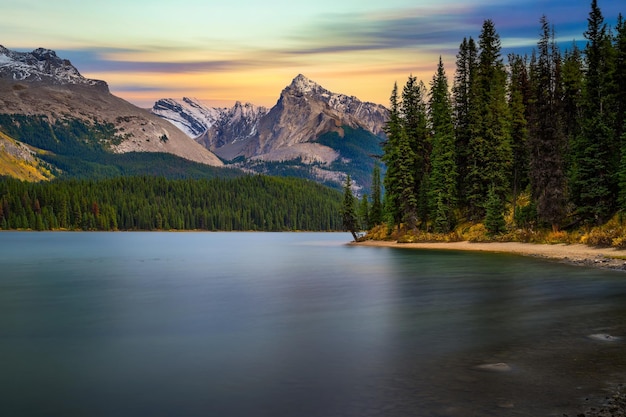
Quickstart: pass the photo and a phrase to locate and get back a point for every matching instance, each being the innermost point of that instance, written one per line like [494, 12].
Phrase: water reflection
[243, 324]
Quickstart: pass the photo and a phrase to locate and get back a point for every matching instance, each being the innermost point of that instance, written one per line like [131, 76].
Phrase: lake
[296, 324]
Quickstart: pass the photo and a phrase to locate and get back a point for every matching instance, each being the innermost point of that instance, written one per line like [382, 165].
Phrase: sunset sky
[247, 50]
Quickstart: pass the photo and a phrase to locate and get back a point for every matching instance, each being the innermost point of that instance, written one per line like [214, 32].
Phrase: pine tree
[364, 216]
[519, 97]
[620, 76]
[572, 78]
[391, 155]
[407, 199]
[490, 155]
[547, 138]
[463, 102]
[595, 150]
[376, 211]
[443, 176]
[348, 212]
[620, 119]
[414, 119]
[494, 219]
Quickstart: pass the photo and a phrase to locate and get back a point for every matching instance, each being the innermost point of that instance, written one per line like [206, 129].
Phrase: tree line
[544, 133]
[155, 203]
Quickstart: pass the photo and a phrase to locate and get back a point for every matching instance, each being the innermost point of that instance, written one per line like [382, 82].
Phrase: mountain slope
[19, 161]
[40, 83]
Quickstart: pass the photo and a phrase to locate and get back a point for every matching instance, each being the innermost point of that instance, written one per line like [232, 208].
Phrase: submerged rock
[494, 367]
[604, 337]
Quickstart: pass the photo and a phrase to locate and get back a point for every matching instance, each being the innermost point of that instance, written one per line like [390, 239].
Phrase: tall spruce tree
[376, 210]
[519, 97]
[443, 175]
[620, 76]
[407, 200]
[463, 102]
[494, 218]
[546, 141]
[595, 149]
[364, 213]
[620, 119]
[490, 155]
[348, 211]
[391, 154]
[572, 78]
[414, 117]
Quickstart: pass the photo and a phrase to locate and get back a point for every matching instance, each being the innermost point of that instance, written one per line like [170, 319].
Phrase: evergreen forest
[534, 143]
[255, 203]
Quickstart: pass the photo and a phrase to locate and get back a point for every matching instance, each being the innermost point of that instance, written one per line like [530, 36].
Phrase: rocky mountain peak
[302, 85]
[42, 65]
[43, 54]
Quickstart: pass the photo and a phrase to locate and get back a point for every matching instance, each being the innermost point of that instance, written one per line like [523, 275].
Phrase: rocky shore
[613, 405]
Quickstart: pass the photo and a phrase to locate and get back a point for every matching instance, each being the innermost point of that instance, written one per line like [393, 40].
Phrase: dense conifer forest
[154, 203]
[536, 143]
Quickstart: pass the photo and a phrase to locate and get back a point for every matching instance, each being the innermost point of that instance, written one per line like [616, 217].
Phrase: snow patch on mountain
[42, 65]
[212, 126]
[189, 115]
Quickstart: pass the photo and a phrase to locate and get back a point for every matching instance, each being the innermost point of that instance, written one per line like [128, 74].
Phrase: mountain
[310, 132]
[48, 89]
[306, 110]
[214, 127]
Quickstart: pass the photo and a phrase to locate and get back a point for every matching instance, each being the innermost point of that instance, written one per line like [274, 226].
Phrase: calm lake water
[295, 324]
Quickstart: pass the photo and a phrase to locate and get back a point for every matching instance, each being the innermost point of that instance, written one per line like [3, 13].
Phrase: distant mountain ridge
[43, 85]
[214, 127]
[289, 132]
[42, 65]
[311, 132]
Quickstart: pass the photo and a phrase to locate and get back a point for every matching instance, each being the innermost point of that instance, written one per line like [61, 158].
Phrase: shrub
[477, 233]
[612, 233]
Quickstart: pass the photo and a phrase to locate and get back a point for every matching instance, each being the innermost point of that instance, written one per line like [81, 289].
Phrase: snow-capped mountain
[39, 83]
[213, 127]
[304, 111]
[189, 115]
[368, 115]
[42, 65]
[310, 132]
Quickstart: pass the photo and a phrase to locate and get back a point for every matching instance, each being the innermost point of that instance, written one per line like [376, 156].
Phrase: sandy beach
[575, 254]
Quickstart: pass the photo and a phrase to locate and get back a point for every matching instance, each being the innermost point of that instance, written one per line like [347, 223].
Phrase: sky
[247, 50]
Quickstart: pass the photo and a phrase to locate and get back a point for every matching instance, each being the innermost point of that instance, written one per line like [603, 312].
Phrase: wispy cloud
[347, 45]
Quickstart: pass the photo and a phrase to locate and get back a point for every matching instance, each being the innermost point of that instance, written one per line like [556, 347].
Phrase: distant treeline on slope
[155, 203]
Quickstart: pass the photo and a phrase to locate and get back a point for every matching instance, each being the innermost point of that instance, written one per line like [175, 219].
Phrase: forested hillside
[155, 203]
[77, 148]
[537, 142]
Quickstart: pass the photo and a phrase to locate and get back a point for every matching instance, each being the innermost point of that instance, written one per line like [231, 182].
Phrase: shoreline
[575, 254]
